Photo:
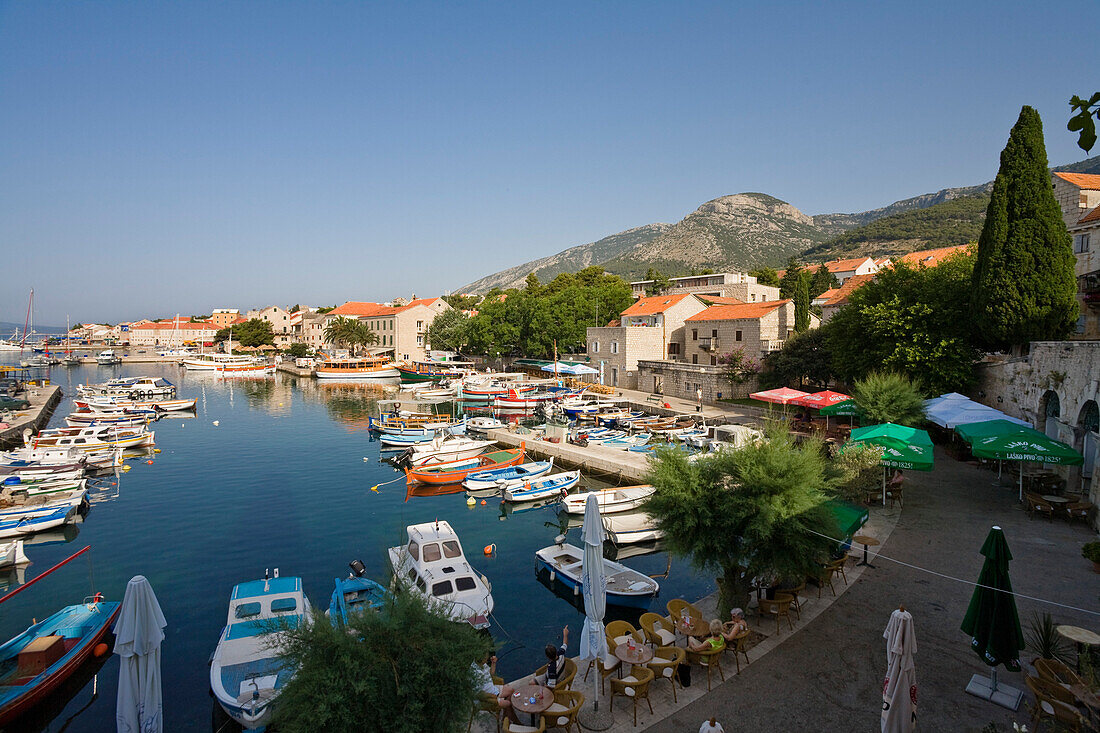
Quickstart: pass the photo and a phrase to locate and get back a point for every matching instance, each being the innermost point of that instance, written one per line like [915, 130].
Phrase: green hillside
[958, 221]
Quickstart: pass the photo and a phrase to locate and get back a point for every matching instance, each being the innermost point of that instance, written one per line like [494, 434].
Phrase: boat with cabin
[433, 371]
[246, 673]
[443, 448]
[357, 368]
[433, 565]
[625, 586]
[94, 438]
[107, 357]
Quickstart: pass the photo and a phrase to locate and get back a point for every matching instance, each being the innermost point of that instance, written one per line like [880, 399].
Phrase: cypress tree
[788, 284]
[802, 303]
[1023, 287]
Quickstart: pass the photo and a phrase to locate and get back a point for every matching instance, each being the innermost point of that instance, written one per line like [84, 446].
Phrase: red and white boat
[492, 389]
[105, 404]
[229, 365]
[527, 400]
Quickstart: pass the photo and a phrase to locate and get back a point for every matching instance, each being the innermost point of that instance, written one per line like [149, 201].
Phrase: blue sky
[176, 157]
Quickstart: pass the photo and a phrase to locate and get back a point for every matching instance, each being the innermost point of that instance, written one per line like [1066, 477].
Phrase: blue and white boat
[246, 674]
[391, 440]
[625, 587]
[355, 594]
[493, 478]
[542, 488]
[627, 441]
[29, 524]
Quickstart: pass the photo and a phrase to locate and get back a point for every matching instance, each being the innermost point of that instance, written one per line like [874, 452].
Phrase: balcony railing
[708, 343]
[771, 345]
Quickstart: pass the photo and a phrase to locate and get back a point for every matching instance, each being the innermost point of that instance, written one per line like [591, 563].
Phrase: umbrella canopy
[943, 398]
[991, 620]
[1008, 441]
[948, 413]
[899, 689]
[139, 632]
[593, 643]
[562, 368]
[847, 407]
[781, 396]
[902, 447]
[849, 517]
[819, 400]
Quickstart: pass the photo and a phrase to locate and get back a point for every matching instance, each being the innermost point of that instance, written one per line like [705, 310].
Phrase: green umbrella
[1008, 441]
[993, 623]
[847, 407]
[902, 447]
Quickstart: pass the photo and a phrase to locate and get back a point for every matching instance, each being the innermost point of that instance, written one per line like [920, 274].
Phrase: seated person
[485, 669]
[736, 626]
[713, 641]
[555, 661]
[897, 480]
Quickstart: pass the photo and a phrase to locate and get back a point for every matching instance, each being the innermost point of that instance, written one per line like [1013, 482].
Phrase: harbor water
[265, 474]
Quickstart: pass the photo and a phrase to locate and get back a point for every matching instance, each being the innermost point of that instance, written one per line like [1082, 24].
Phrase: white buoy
[215, 423]
[366, 459]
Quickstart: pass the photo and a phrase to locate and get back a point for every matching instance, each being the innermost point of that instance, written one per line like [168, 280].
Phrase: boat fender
[150, 461]
[482, 502]
[125, 468]
[489, 549]
[100, 650]
[156, 450]
[576, 590]
[553, 576]
[471, 501]
[366, 459]
[215, 423]
[564, 492]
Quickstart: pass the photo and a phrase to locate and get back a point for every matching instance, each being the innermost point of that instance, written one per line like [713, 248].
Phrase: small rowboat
[486, 393]
[11, 553]
[19, 526]
[627, 442]
[630, 528]
[610, 500]
[541, 488]
[446, 448]
[100, 403]
[625, 587]
[389, 440]
[354, 594]
[457, 471]
[497, 476]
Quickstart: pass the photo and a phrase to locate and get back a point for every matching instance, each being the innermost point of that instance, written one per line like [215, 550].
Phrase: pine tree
[822, 281]
[802, 303]
[788, 284]
[1023, 287]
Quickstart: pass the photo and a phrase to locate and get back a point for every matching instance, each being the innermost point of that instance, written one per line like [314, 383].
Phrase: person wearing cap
[736, 626]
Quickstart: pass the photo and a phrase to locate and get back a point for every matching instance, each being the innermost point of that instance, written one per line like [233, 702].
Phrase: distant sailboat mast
[26, 322]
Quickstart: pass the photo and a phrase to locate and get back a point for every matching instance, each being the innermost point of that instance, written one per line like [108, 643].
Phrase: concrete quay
[290, 368]
[43, 401]
[624, 465]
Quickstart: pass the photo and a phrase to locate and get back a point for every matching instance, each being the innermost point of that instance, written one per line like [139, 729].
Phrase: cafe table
[542, 697]
[1080, 637]
[640, 654]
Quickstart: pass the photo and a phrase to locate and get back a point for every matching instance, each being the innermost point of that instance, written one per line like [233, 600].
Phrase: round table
[1080, 637]
[694, 627]
[522, 696]
[1055, 499]
[640, 654]
[865, 541]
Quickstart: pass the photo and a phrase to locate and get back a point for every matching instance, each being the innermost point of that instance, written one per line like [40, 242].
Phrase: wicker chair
[1038, 505]
[837, 567]
[568, 674]
[780, 607]
[1078, 510]
[606, 666]
[795, 591]
[510, 727]
[563, 713]
[619, 630]
[665, 663]
[659, 631]
[1053, 701]
[709, 658]
[737, 646]
[488, 704]
[1054, 671]
[635, 686]
[676, 607]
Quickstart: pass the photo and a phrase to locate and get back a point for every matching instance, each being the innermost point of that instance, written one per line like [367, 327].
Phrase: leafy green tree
[404, 669]
[738, 367]
[802, 303]
[788, 284]
[295, 308]
[747, 513]
[532, 284]
[297, 350]
[660, 282]
[462, 302]
[915, 321]
[889, 397]
[449, 330]
[766, 276]
[253, 332]
[1082, 123]
[822, 280]
[805, 357]
[855, 472]
[1023, 286]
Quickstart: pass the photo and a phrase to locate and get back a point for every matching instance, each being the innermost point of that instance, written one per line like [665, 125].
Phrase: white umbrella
[593, 642]
[138, 634]
[899, 691]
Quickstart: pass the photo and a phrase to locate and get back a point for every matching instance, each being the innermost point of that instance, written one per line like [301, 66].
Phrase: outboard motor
[358, 569]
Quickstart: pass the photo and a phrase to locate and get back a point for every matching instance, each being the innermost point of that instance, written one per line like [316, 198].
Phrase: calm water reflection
[280, 481]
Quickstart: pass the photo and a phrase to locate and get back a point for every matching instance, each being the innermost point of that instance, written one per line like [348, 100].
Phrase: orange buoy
[150, 461]
[100, 649]
[482, 502]
[489, 549]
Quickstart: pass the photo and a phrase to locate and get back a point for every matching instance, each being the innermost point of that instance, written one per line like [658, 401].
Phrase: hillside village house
[280, 321]
[172, 333]
[223, 317]
[310, 328]
[1079, 196]
[720, 284]
[756, 328]
[401, 329]
[651, 328]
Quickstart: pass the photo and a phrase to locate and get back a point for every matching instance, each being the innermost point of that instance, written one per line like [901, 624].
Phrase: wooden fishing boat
[106, 403]
[627, 442]
[94, 438]
[124, 420]
[486, 392]
[359, 368]
[355, 594]
[15, 506]
[541, 488]
[493, 478]
[625, 587]
[19, 526]
[446, 448]
[630, 528]
[610, 500]
[432, 371]
[37, 661]
[457, 471]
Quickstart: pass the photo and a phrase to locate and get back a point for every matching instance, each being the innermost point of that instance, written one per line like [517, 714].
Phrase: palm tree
[341, 330]
[889, 397]
[362, 335]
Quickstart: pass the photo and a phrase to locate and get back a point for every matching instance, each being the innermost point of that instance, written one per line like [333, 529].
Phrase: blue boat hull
[613, 599]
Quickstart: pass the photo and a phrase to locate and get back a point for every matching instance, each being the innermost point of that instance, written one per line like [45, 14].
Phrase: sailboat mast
[26, 321]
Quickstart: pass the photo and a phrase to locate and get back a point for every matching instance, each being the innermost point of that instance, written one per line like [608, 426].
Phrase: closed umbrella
[899, 689]
[593, 642]
[993, 623]
[138, 634]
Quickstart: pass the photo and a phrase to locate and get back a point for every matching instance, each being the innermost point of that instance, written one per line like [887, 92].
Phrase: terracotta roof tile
[742, 311]
[846, 265]
[654, 304]
[1089, 181]
[720, 300]
[850, 285]
[931, 257]
[359, 309]
[1093, 215]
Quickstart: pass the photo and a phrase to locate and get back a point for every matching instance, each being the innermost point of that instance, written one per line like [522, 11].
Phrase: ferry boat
[364, 367]
[246, 673]
[228, 365]
[95, 438]
[433, 565]
[432, 371]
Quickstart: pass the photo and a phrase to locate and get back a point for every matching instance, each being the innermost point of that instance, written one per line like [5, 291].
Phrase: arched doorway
[1050, 409]
[1089, 422]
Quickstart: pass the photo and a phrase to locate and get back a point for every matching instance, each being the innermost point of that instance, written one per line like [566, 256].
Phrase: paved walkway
[828, 675]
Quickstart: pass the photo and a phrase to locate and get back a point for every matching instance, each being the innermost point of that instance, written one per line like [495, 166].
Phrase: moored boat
[109, 403]
[630, 528]
[11, 553]
[357, 368]
[246, 673]
[541, 488]
[30, 524]
[493, 478]
[108, 357]
[431, 371]
[446, 448]
[625, 587]
[456, 471]
[610, 500]
[95, 438]
[355, 594]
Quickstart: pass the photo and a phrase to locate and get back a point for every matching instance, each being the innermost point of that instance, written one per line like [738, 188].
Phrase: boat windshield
[451, 549]
[465, 583]
[442, 588]
[414, 550]
[431, 552]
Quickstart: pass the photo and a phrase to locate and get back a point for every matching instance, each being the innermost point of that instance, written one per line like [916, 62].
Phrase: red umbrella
[781, 396]
[818, 400]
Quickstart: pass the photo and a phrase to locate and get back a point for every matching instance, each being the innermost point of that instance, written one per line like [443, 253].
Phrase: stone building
[172, 333]
[401, 329]
[722, 284]
[757, 328]
[651, 328]
[280, 323]
[223, 317]
[1079, 196]
[310, 328]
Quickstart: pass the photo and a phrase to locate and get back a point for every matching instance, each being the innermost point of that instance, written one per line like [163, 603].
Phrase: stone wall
[619, 350]
[679, 379]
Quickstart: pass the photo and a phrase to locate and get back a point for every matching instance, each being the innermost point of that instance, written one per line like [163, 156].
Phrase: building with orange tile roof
[757, 328]
[1079, 196]
[402, 329]
[932, 257]
[172, 333]
[721, 284]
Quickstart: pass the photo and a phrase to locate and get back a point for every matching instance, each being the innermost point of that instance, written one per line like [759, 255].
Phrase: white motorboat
[625, 587]
[107, 357]
[123, 403]
[246, 673]
[129, 387]
[30, 524]
[625, 529]
[611, 500]
[484, 424]
[434, 566]
[228, 365]
[94, 438]
[444, 448]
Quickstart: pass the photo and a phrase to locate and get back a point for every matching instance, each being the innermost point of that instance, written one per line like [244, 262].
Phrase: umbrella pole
[1021, 498]
[884, 485]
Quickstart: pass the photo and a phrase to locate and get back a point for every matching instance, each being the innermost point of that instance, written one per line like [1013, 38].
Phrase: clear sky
[176, 157]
